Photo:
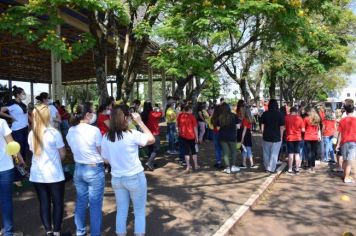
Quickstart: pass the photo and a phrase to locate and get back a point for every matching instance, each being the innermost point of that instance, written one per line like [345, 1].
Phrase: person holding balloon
[46, 173]
[8, 148]
[18, 113]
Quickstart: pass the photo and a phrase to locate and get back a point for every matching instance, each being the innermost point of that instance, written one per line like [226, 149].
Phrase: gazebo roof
[22, 61]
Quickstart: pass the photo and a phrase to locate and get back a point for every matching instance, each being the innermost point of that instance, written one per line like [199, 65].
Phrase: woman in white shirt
[89, 175]
[46, 173]
[18, 113]
[55, 117]
[6, 179]
[120, 148]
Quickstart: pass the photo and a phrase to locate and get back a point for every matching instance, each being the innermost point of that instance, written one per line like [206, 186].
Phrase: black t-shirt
[272, 121]
[228, 133]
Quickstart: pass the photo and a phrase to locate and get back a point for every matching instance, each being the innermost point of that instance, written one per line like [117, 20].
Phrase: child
[246, 139]
[328, 131]
[347, 139]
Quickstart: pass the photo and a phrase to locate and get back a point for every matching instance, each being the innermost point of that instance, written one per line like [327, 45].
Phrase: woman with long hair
[246, 138]
[84, 140]
[227, 122]
[18, 113]
[312, 136]
[151, 117]
[46, 173]
[120, 148]
[217, 145]
[272, 133]
[202, 120]
[45, 99]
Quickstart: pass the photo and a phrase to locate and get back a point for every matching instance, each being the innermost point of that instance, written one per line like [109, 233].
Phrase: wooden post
[32, 95]
[56, 65]
[9, 82]
[164, 95]
[150, 85]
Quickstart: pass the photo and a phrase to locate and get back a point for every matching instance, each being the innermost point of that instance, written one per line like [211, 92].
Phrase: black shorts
[293, 147]
[189, 147]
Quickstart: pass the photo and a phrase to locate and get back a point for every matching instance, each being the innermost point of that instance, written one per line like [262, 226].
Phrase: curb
[224, 230]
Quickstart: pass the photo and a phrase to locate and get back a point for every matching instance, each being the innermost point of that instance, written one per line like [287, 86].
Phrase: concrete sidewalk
[307, 204]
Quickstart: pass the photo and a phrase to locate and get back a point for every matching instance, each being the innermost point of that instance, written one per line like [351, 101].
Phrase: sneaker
[150, 166]
[169, 152]
[175, 152]
[243, 167]
[227, 171]
[297, 172]
[279, 163]
[348, 181]
[235, 169]
[312, 171]
[254, 167]
[289, 172]
[217, 165]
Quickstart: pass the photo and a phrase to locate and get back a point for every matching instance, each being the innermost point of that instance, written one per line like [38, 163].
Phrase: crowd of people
[110, 137]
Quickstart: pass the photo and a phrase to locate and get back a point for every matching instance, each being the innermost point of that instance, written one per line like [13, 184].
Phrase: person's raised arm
[137, 118]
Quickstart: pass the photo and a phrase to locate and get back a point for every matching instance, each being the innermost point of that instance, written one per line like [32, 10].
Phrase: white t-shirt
[123, 154]
[47, 168]
[6, 162]
[83, 140]
[21, 117]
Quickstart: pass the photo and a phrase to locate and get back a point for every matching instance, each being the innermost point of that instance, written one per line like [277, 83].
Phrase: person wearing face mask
[103, 120]
[84, 140]
[44, 98]
[18, 113]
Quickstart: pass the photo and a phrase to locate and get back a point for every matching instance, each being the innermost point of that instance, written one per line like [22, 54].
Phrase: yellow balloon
[12, 148]
[345, 198]
[347, 234]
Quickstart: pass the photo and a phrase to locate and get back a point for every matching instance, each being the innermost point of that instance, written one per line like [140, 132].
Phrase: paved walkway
[178, 203]
[308, 204]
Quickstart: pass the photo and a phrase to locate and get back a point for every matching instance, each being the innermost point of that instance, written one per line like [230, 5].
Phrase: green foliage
[37, 22]
[212, 90]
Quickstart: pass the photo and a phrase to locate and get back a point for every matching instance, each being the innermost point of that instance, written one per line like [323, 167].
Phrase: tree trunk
[272, 85]
[244, 91]
[181, 83]
[99, 62]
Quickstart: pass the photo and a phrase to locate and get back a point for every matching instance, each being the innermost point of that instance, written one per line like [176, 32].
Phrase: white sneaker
[235, 169]
[227, 171]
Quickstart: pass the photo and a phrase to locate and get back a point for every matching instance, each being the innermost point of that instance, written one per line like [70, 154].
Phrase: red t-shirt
[322, 115]
[186, 124]
[347, 129]
[311, 131]
[294, 126]
[100, 123]
[329, 127]
[246, 123]
[153, 122]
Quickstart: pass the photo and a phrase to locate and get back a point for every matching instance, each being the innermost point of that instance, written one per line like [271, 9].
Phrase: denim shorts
[348, 151]
[247, 152]
[293, 147]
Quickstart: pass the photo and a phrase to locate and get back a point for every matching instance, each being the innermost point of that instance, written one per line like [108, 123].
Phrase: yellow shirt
[171, 116]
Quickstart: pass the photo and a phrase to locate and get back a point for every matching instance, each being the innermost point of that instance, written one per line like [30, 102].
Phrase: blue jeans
[89, 182]
[328, 148]
[218, 148]
[6, 180]
[270, 154]
[134, 188]
[172, 132]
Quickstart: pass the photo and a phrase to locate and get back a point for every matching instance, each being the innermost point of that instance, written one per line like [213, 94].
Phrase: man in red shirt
[347, 139]
[294, 128]
[188, 132]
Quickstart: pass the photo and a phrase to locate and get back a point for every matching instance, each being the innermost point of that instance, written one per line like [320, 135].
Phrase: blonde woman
[46, 173]
[312, 136]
